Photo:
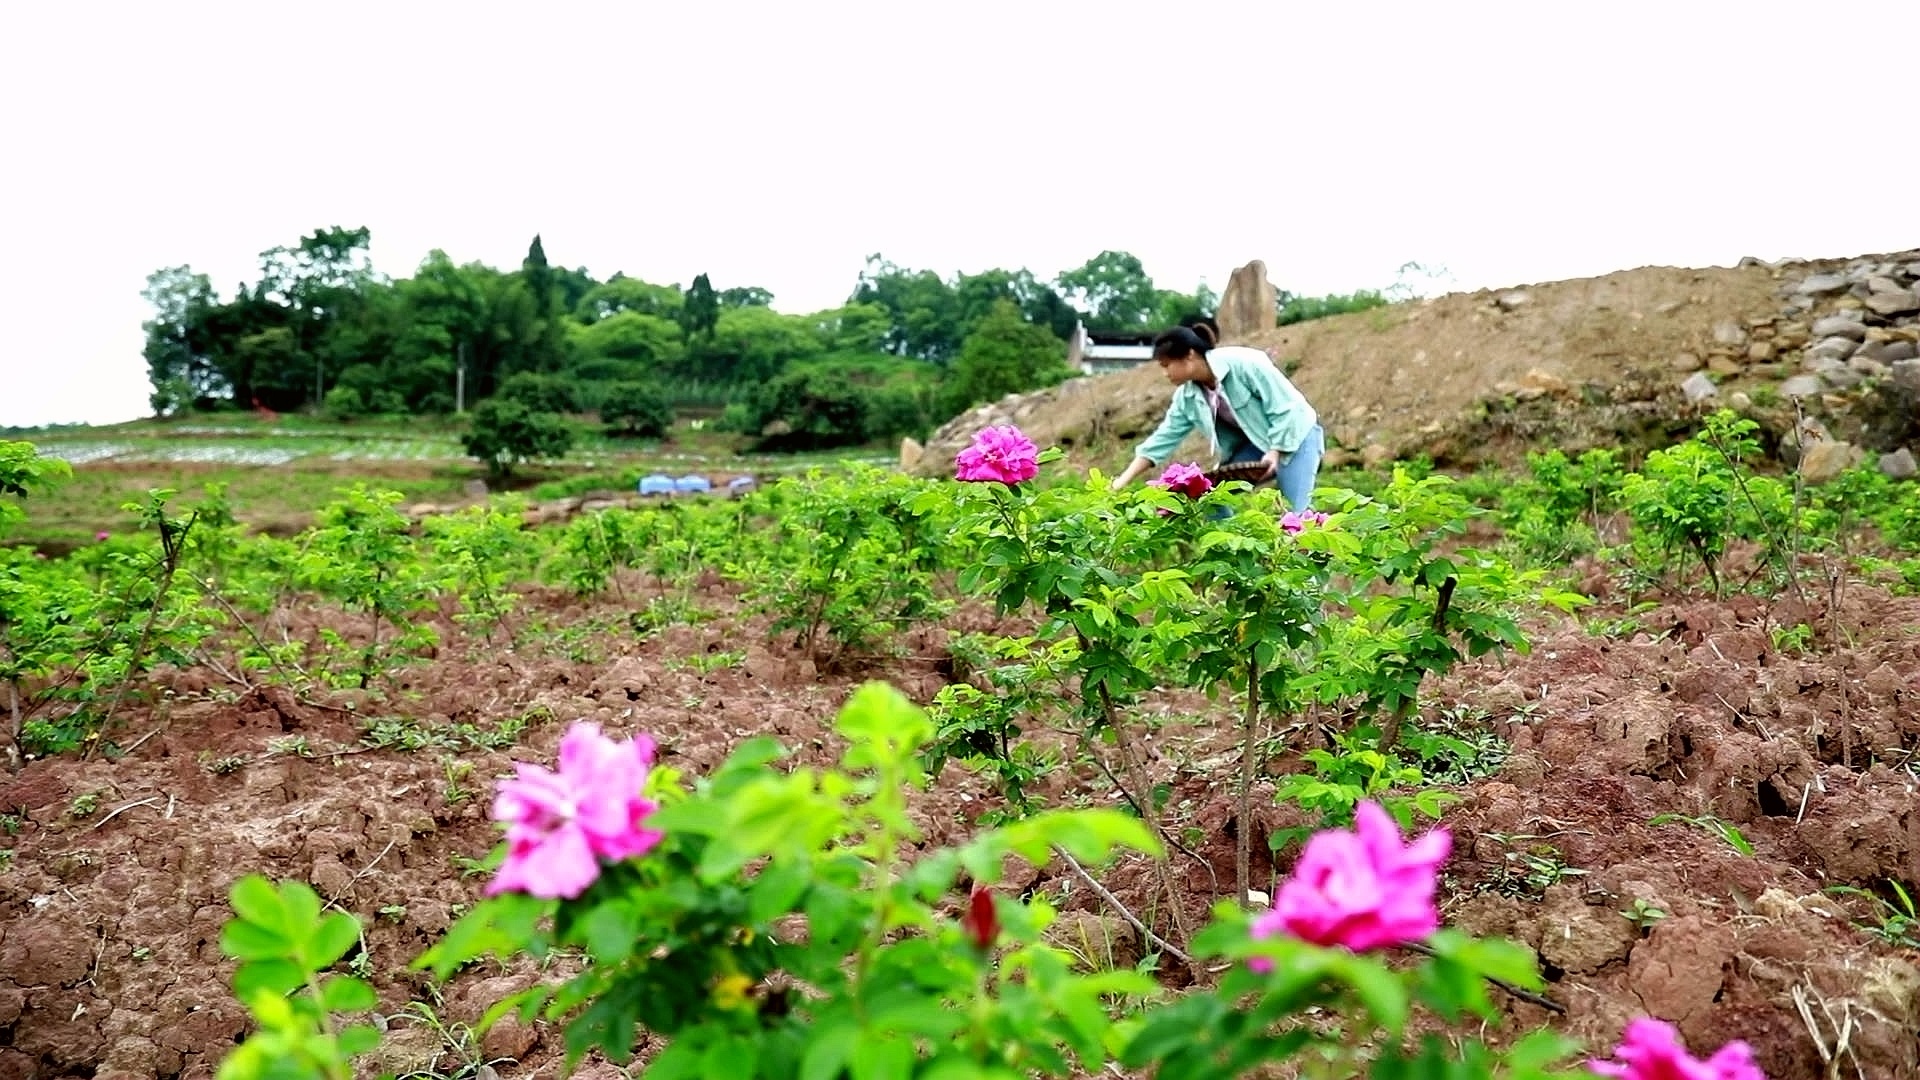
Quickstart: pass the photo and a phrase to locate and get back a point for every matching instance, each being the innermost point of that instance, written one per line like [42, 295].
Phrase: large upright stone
[1249, 305]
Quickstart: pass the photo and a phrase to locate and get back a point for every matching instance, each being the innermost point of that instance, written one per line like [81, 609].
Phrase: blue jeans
[1298, 473]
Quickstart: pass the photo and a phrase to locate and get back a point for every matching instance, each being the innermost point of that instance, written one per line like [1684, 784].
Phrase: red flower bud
[981, 922]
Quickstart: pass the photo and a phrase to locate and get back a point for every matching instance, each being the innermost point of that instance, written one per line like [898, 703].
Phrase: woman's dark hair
[1182, 341]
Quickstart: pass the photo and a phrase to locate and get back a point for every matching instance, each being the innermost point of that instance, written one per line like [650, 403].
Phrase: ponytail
[1183, 341]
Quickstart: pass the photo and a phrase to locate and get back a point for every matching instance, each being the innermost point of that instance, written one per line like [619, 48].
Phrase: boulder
[910, 454]
[1249, 305]
[1899, 465]
[1823, 460]
[1730, 334]
[1698, 388]
[1839, 326]
[1889, 304]
[1833, 348]
[1818, 284]
[1801, 386]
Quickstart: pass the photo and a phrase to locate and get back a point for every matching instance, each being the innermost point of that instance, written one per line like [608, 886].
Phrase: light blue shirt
[1271, 410]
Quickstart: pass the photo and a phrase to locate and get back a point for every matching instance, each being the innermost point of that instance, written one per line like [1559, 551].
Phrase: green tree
[545, 339]
[1112, 290]
[636, 409]
[504, 433]
[700, 314]
[320, 282]
[745, 296]
[178, 366]
[540, 392]
[1004, 354]
[620, 294]
[649, 342]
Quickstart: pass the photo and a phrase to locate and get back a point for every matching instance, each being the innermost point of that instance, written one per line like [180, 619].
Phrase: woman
[1250, 411]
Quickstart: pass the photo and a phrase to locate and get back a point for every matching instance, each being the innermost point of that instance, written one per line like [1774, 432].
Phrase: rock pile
[1838, 366]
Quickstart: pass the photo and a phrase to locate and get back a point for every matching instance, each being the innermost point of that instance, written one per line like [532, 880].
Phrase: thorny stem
[1136, 776]
[1114, 902]
[1391, 735]
[170, 555]
[207, 587]
[1243, 847]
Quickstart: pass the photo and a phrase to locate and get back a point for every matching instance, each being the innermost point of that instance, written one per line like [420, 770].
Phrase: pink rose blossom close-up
[1000, 453]
[1294, 521]
[1186, 479]
[561, 823]
[1360, 889]
[1651, 1050]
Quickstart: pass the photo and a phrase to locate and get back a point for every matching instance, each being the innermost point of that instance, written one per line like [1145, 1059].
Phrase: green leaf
[275, 978]
[829, 1050]
[611, 930]
[1383, 995]
[777, 888]
[330, 941]
[245, 940]
[879, 1056]
[346, 994]
[254, 899]
[359, 1039]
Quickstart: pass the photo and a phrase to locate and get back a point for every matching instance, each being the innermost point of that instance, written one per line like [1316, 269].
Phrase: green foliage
[689, 943]
[286, 946]
[360, 556]
[635, 410]
[540, 393]
[848, 562]
[504, 433]
[23, 471]
[1694, 497]
[1298, 309]
[1004, 354]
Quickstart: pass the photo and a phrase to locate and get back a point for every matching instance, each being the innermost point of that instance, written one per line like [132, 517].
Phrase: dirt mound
[1472, 377]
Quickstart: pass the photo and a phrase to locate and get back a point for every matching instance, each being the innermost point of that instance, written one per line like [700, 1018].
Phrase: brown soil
[111, 907]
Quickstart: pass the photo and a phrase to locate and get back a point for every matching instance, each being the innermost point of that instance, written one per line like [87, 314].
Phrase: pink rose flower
[998, 453]
[1651, 1050]
[102, 536]
[1188, 480]
[560, 824]
[1293, 521]
[1359, 890]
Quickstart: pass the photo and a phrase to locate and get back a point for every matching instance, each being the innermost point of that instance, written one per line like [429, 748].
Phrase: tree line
[320, 329]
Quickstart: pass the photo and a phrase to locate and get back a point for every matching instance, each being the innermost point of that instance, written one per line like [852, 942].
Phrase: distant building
[1096, 352]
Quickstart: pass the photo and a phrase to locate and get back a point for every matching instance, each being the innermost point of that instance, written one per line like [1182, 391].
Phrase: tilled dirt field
[113, 891]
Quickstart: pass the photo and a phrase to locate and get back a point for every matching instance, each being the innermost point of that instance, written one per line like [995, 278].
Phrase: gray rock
[1840, 326]
[1906, 375]
[1880, 283]
[1512, 299]
[1833, 348]
[1686, 361]
[1822, 461]
[1867, 368]
[1698, 387]
[1801, 386]
[1835, 373]
[1729, 333]
[1889, 304]
[1818, 284]
[1899, 464]
[1892, 352]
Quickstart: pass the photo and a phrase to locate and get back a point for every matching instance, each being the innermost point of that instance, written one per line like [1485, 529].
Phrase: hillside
[1631, 358]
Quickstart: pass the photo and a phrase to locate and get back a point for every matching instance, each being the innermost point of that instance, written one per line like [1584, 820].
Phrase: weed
[1643, 915]
[1897, 922]
[289, 746]
[1733, 836]
[394, 912]
[84, 805]
[1529, 868]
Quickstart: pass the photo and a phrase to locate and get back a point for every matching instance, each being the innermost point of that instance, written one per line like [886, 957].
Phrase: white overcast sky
[778, 144]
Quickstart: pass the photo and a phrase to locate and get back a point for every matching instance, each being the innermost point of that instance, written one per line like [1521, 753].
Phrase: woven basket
[1249, 471]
